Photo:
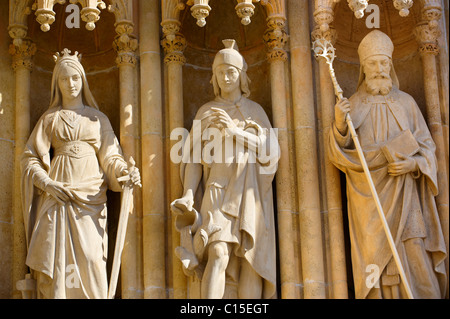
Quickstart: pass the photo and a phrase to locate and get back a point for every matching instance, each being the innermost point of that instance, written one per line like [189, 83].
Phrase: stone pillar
[444, 82]
[174, 43]
[275, 38]
[125, 45]
[305, 130]
[152, 152]
[427, 34]
[310, 224]
[22, 52]
[323, 16]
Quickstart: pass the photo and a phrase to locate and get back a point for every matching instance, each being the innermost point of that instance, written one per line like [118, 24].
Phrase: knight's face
[70, 82]
[228, 78]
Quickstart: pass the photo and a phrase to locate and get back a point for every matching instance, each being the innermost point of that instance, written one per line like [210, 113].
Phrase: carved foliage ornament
[403, 6]
[90, 12]
[427, 37]
[358, 7]
[427, 31]
[324, 16]
[200, 10]
[431, 12]
[22, 54]
[244, 9]
[173, 48]
[173, 41]
[276, 38]
[170, 17]
[18, 13]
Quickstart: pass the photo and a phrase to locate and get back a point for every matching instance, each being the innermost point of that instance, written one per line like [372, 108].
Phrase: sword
[324, 48]
[125, 207]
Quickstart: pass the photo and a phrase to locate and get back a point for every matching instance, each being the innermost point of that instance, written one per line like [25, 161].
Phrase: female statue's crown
[65, 55]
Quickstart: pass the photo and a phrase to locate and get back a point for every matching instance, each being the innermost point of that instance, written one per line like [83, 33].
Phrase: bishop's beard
[378, 84]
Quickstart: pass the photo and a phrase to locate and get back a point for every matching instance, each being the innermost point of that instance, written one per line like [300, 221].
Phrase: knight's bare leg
[213, 281]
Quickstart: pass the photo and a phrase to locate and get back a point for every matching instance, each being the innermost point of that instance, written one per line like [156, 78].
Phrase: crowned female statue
[71, 158]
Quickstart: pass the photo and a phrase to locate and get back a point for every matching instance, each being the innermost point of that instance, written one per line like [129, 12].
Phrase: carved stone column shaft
[305, 141]
[125, 45]
[174, 44]
[153, 181]
[427, 35]
[330, 174]
[311, 245]
[22, 64]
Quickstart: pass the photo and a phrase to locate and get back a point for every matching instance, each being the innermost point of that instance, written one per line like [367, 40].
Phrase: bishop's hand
[341, 109]
[405, 165]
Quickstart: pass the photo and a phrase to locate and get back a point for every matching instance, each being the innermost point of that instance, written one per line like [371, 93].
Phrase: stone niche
[98, 59]
[406, 56]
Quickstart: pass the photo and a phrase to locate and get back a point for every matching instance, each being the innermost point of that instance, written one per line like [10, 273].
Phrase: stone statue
[71, 158]
[400, 154]
[225, 215]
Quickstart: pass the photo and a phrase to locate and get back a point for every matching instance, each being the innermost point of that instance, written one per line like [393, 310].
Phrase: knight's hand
[183, 204]
[221, 118]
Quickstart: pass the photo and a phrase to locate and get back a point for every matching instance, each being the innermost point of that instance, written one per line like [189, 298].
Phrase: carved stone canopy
[351, 30]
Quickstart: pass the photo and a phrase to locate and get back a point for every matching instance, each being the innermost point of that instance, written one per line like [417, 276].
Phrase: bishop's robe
[407, 200]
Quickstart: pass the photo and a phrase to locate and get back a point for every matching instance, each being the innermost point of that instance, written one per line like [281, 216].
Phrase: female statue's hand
[133, 175]
[58, 191]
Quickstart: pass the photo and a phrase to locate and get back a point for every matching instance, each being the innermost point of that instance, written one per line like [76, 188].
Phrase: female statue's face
[228, 78]
[70, 82]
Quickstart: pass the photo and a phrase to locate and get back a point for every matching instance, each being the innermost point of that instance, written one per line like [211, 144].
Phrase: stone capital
[427, 38]
[125, 44]
[174, 45]
[22, 54]
[275, 38]
[330, 34]
[174, 58]
[323, 17]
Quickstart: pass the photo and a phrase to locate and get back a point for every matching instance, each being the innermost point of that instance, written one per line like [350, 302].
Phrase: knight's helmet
[230, 55]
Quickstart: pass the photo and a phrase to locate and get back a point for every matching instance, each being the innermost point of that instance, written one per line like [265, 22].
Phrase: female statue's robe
[67, 244]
